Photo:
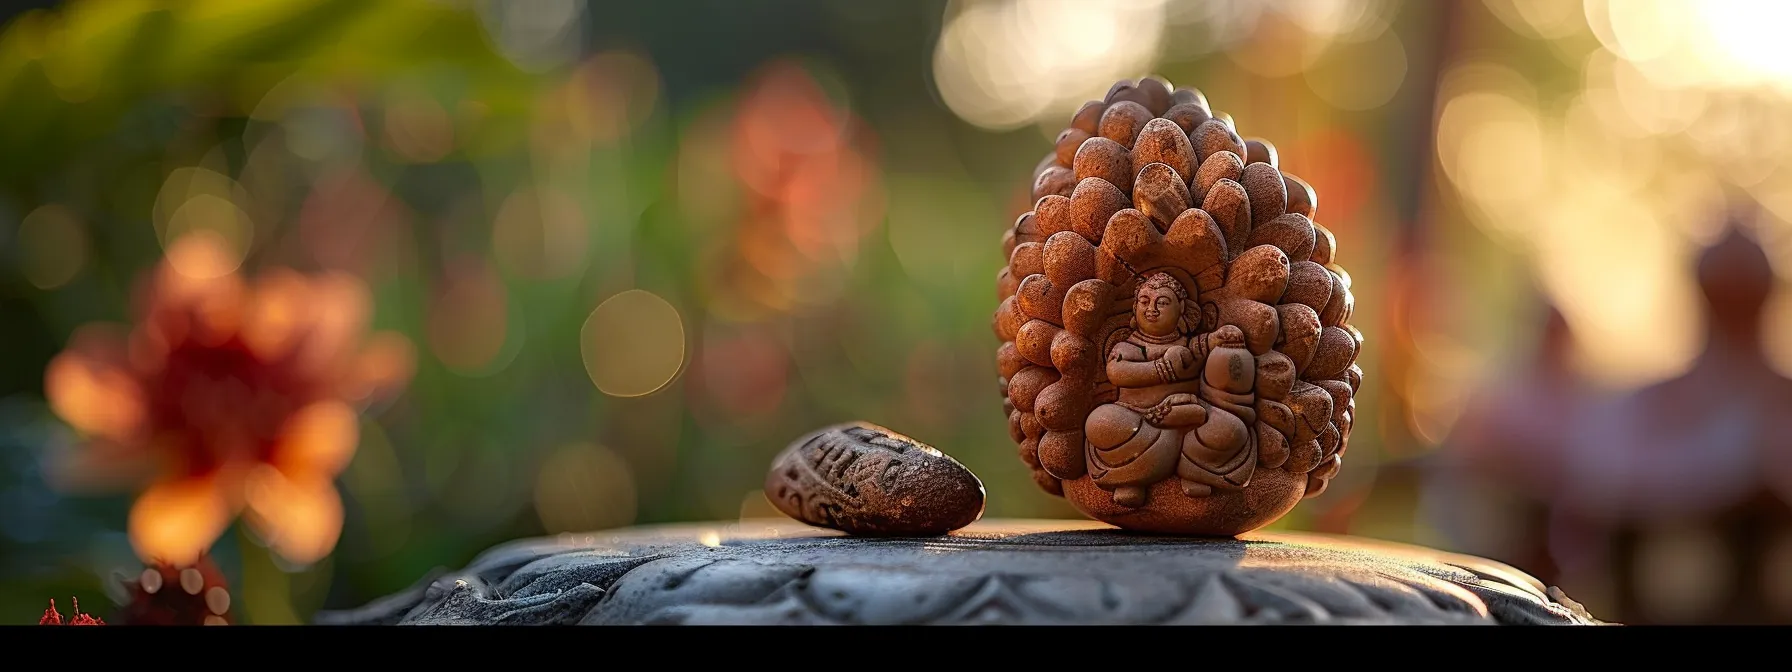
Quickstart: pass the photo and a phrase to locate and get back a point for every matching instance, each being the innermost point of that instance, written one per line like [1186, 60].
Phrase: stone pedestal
[996, 571]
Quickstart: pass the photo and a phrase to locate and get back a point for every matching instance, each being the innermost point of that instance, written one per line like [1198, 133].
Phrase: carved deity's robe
[1205, 439]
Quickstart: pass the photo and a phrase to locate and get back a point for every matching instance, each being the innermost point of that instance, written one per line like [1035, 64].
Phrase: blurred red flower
[227, 396]
[168, 595]
[51, 617]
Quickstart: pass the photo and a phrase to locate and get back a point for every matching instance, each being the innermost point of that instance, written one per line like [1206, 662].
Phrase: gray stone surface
[1010, 572]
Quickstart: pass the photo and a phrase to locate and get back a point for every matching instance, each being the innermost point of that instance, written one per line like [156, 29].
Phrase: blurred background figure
[358, 288]
[1674, 506]
[1664, 504]
[1492, 485]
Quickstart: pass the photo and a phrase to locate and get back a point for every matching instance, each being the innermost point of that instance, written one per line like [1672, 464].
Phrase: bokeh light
[469, 321]
[1003, 64]
[633, 344]
[611, 94]
[418, 129]
[584, 487]
[540, 232]
[52, 246]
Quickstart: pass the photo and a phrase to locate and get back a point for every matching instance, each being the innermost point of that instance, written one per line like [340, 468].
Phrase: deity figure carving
[1177, 354]
[1185, 402]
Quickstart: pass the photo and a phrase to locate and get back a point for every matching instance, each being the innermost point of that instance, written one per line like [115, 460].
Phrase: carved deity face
[1157, 310]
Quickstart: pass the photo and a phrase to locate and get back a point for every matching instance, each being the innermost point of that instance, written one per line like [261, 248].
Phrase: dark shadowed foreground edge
[1001, 572]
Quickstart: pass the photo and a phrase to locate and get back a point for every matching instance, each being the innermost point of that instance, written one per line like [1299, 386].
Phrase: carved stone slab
[994, 572]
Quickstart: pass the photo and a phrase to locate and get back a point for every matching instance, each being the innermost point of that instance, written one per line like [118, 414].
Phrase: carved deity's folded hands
[1178, 410]
[1181, 363]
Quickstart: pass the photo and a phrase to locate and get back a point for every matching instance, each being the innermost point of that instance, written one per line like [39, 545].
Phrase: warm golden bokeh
[52, 246]
[227, 395]
[585, 487]
[633, 344]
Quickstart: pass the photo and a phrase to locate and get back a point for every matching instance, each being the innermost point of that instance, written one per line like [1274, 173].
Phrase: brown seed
[1026, 228]
[1341, 398]
[1276, 374]
[1119, 91]
[1123, 120]
[1186, 96]
[1163, 142]
[1009, 240]
[1260, 274]
[1102, 157]
[1052, 214]
[1006, 284]
[1213, 136]
[1259, 321]
[1130, 95]
[1258, 150]
[1154, 94]
[1312, 407]
[1008, 319]
[1197, 240]
[866, 480]
[1301, 197]
[1029, 425]
[1187, 116]
[1061, 454]
[1009, 361]
[1272, 445]
[1231, 209]
[1028, 259]
[1336, 351]
[1055, 180]
[1024, 387]
[1091, 204]
[1068, 142]
[1222, 165]
[1039, 299]
[1159, 193]
[1300, 333]
[1049, 160]
[1035, 337]
[1309, 285]
[1340, 272]
[1324, 244]
[1339, 308]
[1269, 198]
[1291, 232]
[1088, 117]
[1069, 259]
[1226, 119]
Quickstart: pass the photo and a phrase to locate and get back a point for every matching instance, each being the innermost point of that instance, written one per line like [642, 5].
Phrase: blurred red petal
[90, 385]
[176, 521]
[384, 367]
[318, 440]
[300, 518]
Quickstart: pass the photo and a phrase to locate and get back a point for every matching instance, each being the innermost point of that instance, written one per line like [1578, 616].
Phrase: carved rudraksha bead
[1177, 354]
[862, 479]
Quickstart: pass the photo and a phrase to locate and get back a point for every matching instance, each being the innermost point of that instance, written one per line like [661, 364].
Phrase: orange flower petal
[319, 440]
[175, 521]
[90, 385]
[300, 518]
[385, 366]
